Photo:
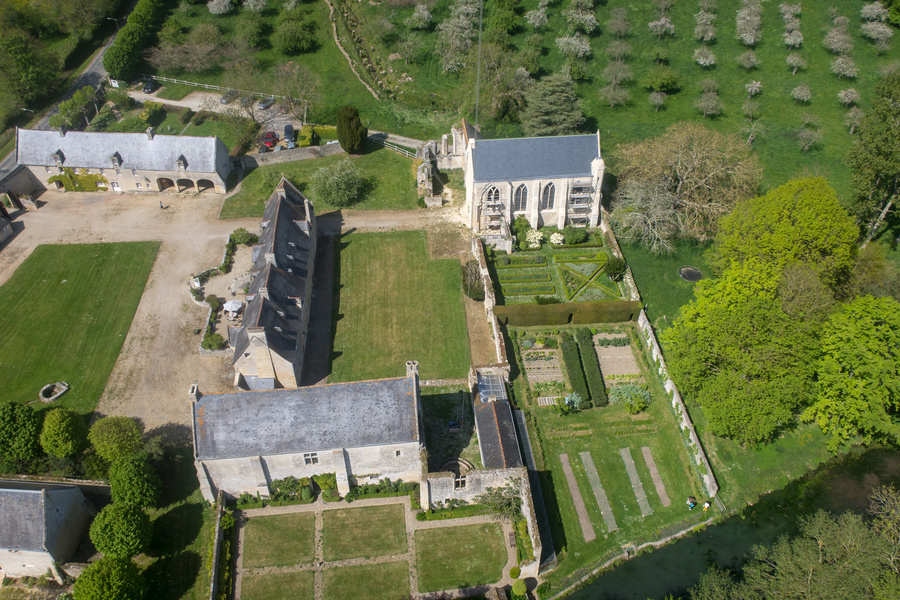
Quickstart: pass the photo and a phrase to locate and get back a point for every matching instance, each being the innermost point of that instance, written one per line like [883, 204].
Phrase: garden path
[599, 493]
[654, 475]
[319, 565]
[587, 528]
[636, 484]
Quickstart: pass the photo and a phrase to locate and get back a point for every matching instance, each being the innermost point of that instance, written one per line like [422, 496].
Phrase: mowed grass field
[464, 556]
[384, 581]
[394, 304]
[391, 176]
[279, 586]
[279, 540]
[66, 312]
[384, 527]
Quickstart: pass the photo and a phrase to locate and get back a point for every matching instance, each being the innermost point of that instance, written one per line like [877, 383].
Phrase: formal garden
[364, 544]
[393, 304]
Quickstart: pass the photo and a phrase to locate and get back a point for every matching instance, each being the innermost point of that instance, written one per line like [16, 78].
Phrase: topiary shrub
[351, 132]
[115, 437]
[121, 530]
[111, 579]
[519, 588]
[515, 572]
[64, 433]
[615, 268]
[133, 480]
[19, 433]
[574, 235]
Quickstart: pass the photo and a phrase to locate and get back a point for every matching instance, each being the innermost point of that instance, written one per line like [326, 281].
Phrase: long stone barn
[362, 431]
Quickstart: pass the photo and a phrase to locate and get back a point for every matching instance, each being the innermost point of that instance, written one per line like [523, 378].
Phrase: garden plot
[616, 361]
[542, 365]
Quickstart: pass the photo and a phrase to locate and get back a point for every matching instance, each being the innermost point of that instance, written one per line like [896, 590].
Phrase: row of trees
[123, 57]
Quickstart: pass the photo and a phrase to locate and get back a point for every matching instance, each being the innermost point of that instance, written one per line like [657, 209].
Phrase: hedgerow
[573, 366]
[592, 371]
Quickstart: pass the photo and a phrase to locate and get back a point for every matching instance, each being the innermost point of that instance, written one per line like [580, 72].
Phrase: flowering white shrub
[557, 239]
[534, 238]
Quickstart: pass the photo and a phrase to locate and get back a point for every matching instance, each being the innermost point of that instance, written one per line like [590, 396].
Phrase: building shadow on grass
[177, 529]
[171, 577]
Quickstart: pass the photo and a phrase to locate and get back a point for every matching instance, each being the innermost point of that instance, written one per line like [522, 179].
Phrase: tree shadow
[171, 577]
[176, 529]
[178, 475]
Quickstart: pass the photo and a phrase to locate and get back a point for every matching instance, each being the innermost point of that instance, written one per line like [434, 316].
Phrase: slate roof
[535, 158]
[496, 430]
[308, 419]
[94, 150]
[32, 515]
[285, 232]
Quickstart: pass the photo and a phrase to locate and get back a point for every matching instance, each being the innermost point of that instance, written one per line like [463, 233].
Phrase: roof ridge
[499, 433]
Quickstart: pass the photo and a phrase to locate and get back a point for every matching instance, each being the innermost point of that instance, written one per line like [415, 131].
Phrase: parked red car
[270, 139]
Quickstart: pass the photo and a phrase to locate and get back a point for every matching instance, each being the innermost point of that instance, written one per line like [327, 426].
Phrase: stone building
[128, 162]
[270, 343]
[497, 439]
[550, 181]
[362, 431]
[41, 525]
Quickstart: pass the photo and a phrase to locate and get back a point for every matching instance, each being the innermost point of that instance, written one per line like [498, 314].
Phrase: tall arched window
[492, 195]
[548, 197]
[520, 202]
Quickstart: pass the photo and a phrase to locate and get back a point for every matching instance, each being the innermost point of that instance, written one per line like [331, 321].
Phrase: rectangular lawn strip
[364, 532]
[66, 312]
[584, 519]
[279, 586]
[599, 494]
[279, 540]
[463, 556]
[391, 177]
[384, 581]
[395, 304]
[636, 484]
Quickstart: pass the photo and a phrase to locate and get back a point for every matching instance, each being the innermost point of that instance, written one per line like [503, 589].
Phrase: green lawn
[66, 312]
[463, 556]
[662, 290]
[278, 586]
[217, 128]
[279, 540]
[394, 304]
[364, 532]
[176, 91]
[391, 175]
[385, 581]
[440, 406]
[602, 432]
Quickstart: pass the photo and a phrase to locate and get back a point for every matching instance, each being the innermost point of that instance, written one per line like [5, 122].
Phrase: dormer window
[58, 158]
[116, 160]
[181, 163]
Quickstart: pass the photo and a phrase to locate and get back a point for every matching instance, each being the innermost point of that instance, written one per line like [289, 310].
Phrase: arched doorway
[184, 184]
[164, 183]
[205, 184]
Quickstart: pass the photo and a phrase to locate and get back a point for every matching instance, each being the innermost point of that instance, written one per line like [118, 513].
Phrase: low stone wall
[274, 158]
[440, 487]
[490, 300]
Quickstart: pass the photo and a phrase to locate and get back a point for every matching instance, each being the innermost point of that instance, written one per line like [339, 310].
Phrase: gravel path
[587, 528]
[599, 493]
[636, 484]
[654, 474]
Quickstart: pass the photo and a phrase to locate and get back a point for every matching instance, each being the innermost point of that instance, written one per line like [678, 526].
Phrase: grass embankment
[66, 312]
[394, 304]
[391, 177]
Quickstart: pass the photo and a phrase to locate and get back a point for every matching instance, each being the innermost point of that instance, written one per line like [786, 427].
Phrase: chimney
[270, 258]
[412, 368]
[194, 393]
[62, 131]
[264, 292]
[149, 133]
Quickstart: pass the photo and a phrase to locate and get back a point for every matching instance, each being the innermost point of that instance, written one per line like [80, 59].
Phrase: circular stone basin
[691, 274]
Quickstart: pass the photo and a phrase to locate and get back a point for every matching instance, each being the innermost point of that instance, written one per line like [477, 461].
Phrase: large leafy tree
[64, 433]
[121, 530]
[800, 221]
[19, 431]
[111, 579]
[693, 174]
[26, 68]
[875, 157]
[552, 108]
[737, 353]
[115, 437]
[133, 480]
[859, 373]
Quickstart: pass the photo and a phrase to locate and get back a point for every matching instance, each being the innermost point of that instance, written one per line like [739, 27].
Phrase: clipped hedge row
[591, 365]
[577, 313]
[599, 257]
[573, 366]
[524, 277]
[521, 262]
[529, 290]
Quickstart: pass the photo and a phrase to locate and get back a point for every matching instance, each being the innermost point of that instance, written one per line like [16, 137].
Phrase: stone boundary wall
[684, 420]
[217, 546]
[272, 158]
[440, 487]
[490, 300]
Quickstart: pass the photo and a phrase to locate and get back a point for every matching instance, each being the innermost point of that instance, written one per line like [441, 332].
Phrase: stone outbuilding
[126, 162]
[497, 439]
[41, 525]
[270, 343]
[550, 181]
[362, 431]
